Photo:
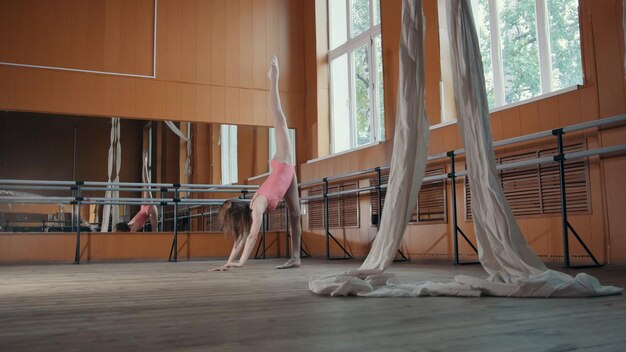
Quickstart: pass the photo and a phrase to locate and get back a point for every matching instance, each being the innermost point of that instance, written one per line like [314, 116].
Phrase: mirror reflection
[98, 149]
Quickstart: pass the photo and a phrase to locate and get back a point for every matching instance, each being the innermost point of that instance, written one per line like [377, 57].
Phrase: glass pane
[340, 100]
[361, 79]
[376, 12]
[338, 24]
[360, 10]
[564, 43]
[228, 146]
[381, 89]
[520, 53]
[481, 19]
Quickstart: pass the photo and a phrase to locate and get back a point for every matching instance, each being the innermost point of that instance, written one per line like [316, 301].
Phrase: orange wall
[211, 59]
[109, 35]
[46, 247]
[602, 95]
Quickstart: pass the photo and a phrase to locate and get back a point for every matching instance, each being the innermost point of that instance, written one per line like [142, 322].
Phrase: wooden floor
[182, 307]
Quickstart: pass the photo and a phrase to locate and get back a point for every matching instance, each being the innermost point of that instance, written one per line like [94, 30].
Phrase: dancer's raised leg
[283, 143]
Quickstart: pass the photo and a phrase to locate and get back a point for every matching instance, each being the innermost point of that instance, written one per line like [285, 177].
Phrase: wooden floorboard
[162, 306]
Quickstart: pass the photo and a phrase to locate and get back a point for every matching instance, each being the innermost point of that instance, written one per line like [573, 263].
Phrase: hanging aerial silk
[408, 161]
[111, 213]
[514, 269]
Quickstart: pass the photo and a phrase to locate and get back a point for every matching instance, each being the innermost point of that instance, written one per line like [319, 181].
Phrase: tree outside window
[357, 111]
[529, 47]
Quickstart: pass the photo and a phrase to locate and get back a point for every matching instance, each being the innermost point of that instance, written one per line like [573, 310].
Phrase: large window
[356, 81]
[529, 47]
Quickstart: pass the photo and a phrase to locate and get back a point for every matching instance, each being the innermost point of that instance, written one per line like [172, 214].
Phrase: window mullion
[373, 96]
[353, 44]
[372, 15]
[543, 43]
[349, 21]
[496, 57]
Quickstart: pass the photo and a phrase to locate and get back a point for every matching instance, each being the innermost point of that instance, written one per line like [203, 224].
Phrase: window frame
[228, 154]
[544, 51]
[366, 38]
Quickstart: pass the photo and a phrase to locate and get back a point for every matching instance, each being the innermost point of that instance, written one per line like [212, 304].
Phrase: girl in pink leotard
[244, 220]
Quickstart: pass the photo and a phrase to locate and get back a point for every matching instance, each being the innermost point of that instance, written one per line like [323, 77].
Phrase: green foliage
[520, 53]
[565, 43]
[520, 50]
[362, 84]
[360, 16]
[481, 18]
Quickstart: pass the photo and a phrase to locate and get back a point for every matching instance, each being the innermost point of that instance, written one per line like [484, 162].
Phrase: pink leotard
[142, 216]
[276, 184]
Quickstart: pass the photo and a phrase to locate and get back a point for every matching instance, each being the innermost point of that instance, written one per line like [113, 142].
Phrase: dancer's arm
[247, 242]
[237, 247]
[257, 220]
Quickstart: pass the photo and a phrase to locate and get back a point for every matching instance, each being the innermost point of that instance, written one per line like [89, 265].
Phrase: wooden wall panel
[246, 50]
[218, 42]
[231, 54]
[259, 66]
[174, 36]
[189, 105]
[272, 35]
[97, 35]
[203, 41]
[614, 168]
[8, 22]
[189, 41]
[606, 19]
[222, 45]
[233, 113]
[49, 248]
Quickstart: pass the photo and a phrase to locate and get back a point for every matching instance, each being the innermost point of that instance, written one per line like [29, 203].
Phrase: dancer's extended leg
[292, 199]
[284, 154]
[283, 143]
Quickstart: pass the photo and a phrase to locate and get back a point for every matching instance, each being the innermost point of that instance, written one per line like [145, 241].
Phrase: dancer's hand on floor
[226, 266]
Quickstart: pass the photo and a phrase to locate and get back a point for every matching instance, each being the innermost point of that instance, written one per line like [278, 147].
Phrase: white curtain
[514, 269]
[111, 213]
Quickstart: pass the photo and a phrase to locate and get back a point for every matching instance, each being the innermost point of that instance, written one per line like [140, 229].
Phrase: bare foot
[291, 263]
[273, 73]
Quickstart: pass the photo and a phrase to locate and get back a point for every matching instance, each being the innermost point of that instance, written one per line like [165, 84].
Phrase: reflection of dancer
[243, 220]
[146, 212]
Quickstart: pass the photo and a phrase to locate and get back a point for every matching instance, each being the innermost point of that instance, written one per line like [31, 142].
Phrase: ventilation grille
[535, 190]
[343, 211]
[431, 199]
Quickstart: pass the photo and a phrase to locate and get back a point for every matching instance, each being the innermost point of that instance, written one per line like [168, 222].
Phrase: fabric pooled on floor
[549, 283]
[513, 268]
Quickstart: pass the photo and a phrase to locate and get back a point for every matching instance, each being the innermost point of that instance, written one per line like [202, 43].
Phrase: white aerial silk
[111, 213]
[514, 269]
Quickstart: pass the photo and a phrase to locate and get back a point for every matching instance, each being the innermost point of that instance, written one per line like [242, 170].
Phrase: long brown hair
[236, 218]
